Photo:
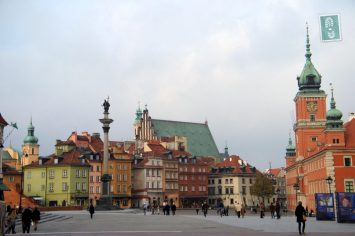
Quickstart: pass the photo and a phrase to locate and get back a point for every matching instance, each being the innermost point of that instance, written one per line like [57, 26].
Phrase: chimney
[351, 116]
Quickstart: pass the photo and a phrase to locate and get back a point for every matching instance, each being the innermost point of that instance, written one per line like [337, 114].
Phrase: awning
[3, 187]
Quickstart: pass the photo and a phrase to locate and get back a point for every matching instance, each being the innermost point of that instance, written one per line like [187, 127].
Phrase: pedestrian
[173, 208]
[36, 217]
[145, 208]
[238, 209]
[11, 221]
[197, 208]
[272, 210]
[26, 220]
[278, 210]
[227, 210]
[262, 210]
[164, 207]
[243, 210]
[205, 208]
[167, 209]
[91, 210]
[300, 213]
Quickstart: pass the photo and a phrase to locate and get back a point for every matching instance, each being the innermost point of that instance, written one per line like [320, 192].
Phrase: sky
[233, 63]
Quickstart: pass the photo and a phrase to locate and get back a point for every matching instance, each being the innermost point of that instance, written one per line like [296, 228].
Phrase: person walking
[243, 210]
[272, 210]
[197, 208]
[11, 219]
[173, 208]
[36, 217]
[238, 209]
[300, 213]
[145, 208]
[278, 210]
[26, 220]
[205, 208]
[262, 210]
[91, 210]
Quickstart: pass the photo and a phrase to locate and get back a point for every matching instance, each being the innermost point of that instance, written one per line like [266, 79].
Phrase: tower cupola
[334, 115]
[290, 149]
[30, 138]
[310, 79]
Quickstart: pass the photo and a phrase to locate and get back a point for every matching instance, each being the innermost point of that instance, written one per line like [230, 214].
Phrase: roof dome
[334, 115]
[30, 138]
[309, 79]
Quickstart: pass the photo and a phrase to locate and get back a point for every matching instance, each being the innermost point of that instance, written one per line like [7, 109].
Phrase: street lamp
[329, 181]
[21, 184]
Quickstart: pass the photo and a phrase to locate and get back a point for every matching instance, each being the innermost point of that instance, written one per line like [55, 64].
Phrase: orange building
[324, 146]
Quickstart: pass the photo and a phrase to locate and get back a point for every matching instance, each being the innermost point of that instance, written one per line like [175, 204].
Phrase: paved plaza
[186, 222]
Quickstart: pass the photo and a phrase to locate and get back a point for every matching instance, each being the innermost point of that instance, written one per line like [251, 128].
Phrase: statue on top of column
[106, 105]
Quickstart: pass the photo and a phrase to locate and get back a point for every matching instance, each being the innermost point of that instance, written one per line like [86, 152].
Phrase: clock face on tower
[312, 106]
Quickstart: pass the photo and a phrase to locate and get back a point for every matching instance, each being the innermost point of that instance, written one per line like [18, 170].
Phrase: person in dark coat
[300, 213]
[26, 220]
[36, 217]
[278, 210]
[91, 210]
[272, 210]
[173, 208]
[205, 208]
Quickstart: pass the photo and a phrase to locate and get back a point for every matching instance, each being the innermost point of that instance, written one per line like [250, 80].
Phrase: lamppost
[296, 187]
[21, 184]
[329, 181]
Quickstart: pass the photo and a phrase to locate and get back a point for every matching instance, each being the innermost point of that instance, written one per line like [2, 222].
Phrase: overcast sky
[232, 63]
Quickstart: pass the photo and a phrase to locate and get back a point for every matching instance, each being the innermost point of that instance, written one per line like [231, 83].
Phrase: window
[335, 140]
[250, 181]
[243, 181]
[148, 173]
[347, 161]
[65, 173]
[77, 186]
[64, 186]
[83, 186]
[98, 190]
[91, 168]
[51, 187]
[77, 173]
[12, 179]
[51, 174]
[181, 187]
[244, 190]
[91, 189]
[219, 190]
[124, 188]
[84, 174]
[98, 168]
[312, 118]
[227, 190]
[226, 181]
[153, 183]
[124, 177]
[219, 181]
[28, 188]
[118, 167]
[231, 191]
[231, 181]
[147, 184]
[91, 179]
[349, 186]
[98, 178]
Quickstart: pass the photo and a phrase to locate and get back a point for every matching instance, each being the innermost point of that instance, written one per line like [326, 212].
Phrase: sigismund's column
[106, 178]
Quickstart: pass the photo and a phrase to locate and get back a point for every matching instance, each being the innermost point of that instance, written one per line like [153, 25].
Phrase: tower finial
[332, 101]
[308, 45]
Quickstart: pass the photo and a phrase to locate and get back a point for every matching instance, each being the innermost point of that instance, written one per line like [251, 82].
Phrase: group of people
[28, 216]
[275, 210]
[155, 209]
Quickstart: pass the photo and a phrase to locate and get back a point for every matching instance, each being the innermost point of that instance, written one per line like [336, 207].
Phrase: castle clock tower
[310, 109]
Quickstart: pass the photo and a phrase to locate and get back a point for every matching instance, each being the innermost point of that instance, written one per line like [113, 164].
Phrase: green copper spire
[308, 46]
[138, 113]
[310, 79]
[30, 138]
[333, 115]
[290, 149]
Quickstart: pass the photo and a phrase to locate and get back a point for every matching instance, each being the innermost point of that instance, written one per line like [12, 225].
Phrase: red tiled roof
[96, 144]
[274, 171]
[2, 120]
[68, 158]
[237, 164]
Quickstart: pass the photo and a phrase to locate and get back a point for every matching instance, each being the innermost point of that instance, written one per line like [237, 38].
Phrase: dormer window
[55, 160]
[40, 162]
[91, 157]
[83, 161]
